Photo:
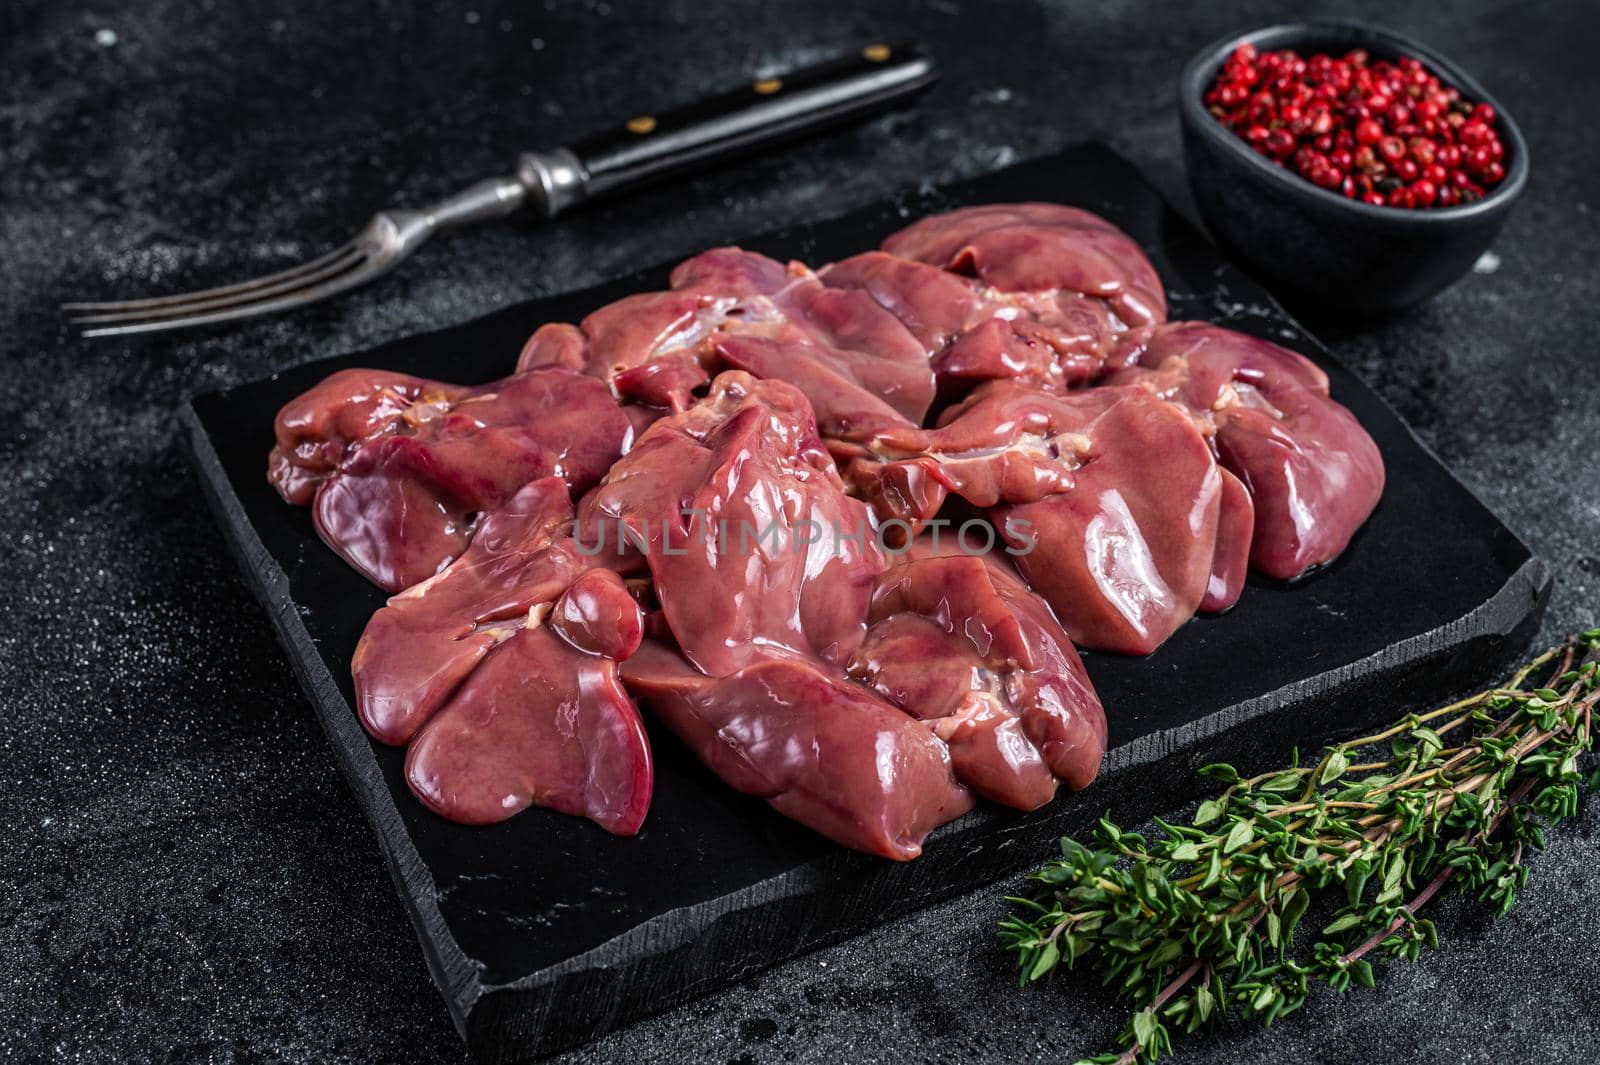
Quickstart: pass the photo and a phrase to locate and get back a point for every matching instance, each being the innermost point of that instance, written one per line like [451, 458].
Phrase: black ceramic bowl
[1294, 235]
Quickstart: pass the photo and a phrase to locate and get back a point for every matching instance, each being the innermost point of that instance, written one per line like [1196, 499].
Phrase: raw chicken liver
[753, 547]
[501, 673]
[820, 749]
[1109, 499]
[764, 570]
[959, 641]
[769, 636]
[1313, 474]
[398, 470]
[756, 450]
[733, 309]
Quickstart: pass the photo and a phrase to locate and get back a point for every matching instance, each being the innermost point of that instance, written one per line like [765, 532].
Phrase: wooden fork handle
[649, 147]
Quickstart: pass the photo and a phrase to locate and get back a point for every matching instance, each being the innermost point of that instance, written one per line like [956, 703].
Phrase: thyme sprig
[1201, 919]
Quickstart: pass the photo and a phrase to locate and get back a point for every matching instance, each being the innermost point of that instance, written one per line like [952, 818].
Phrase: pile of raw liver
[837, 530]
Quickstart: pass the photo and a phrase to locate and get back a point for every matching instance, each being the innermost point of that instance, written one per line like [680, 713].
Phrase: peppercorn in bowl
[1345, 163]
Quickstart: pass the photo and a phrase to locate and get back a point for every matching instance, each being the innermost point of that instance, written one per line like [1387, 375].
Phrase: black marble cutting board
[545, 931]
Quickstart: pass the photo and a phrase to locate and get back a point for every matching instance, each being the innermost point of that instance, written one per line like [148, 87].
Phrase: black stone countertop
[184, 874]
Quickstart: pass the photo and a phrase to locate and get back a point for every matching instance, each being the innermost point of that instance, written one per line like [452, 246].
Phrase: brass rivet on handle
[642, 124]
[877, 53]
[768, 87]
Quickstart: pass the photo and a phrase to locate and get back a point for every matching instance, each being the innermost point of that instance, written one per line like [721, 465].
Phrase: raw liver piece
[729, 308]
[315, 430]
[723, 499]
[959, 641]
[645, 347]
[1038, 247]
[418, 648]
[1109, 498]
[1313, 473]
[501, 672]
[821, 750]
[539, 723]
[856, 363]
[399, 470]
[971, 331]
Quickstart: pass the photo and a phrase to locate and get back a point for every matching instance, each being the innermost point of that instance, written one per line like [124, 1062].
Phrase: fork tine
[363, 272]
[387, 238]
[349, 257]
[209, 293]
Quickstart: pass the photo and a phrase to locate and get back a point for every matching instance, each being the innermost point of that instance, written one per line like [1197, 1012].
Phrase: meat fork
[551, 181]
